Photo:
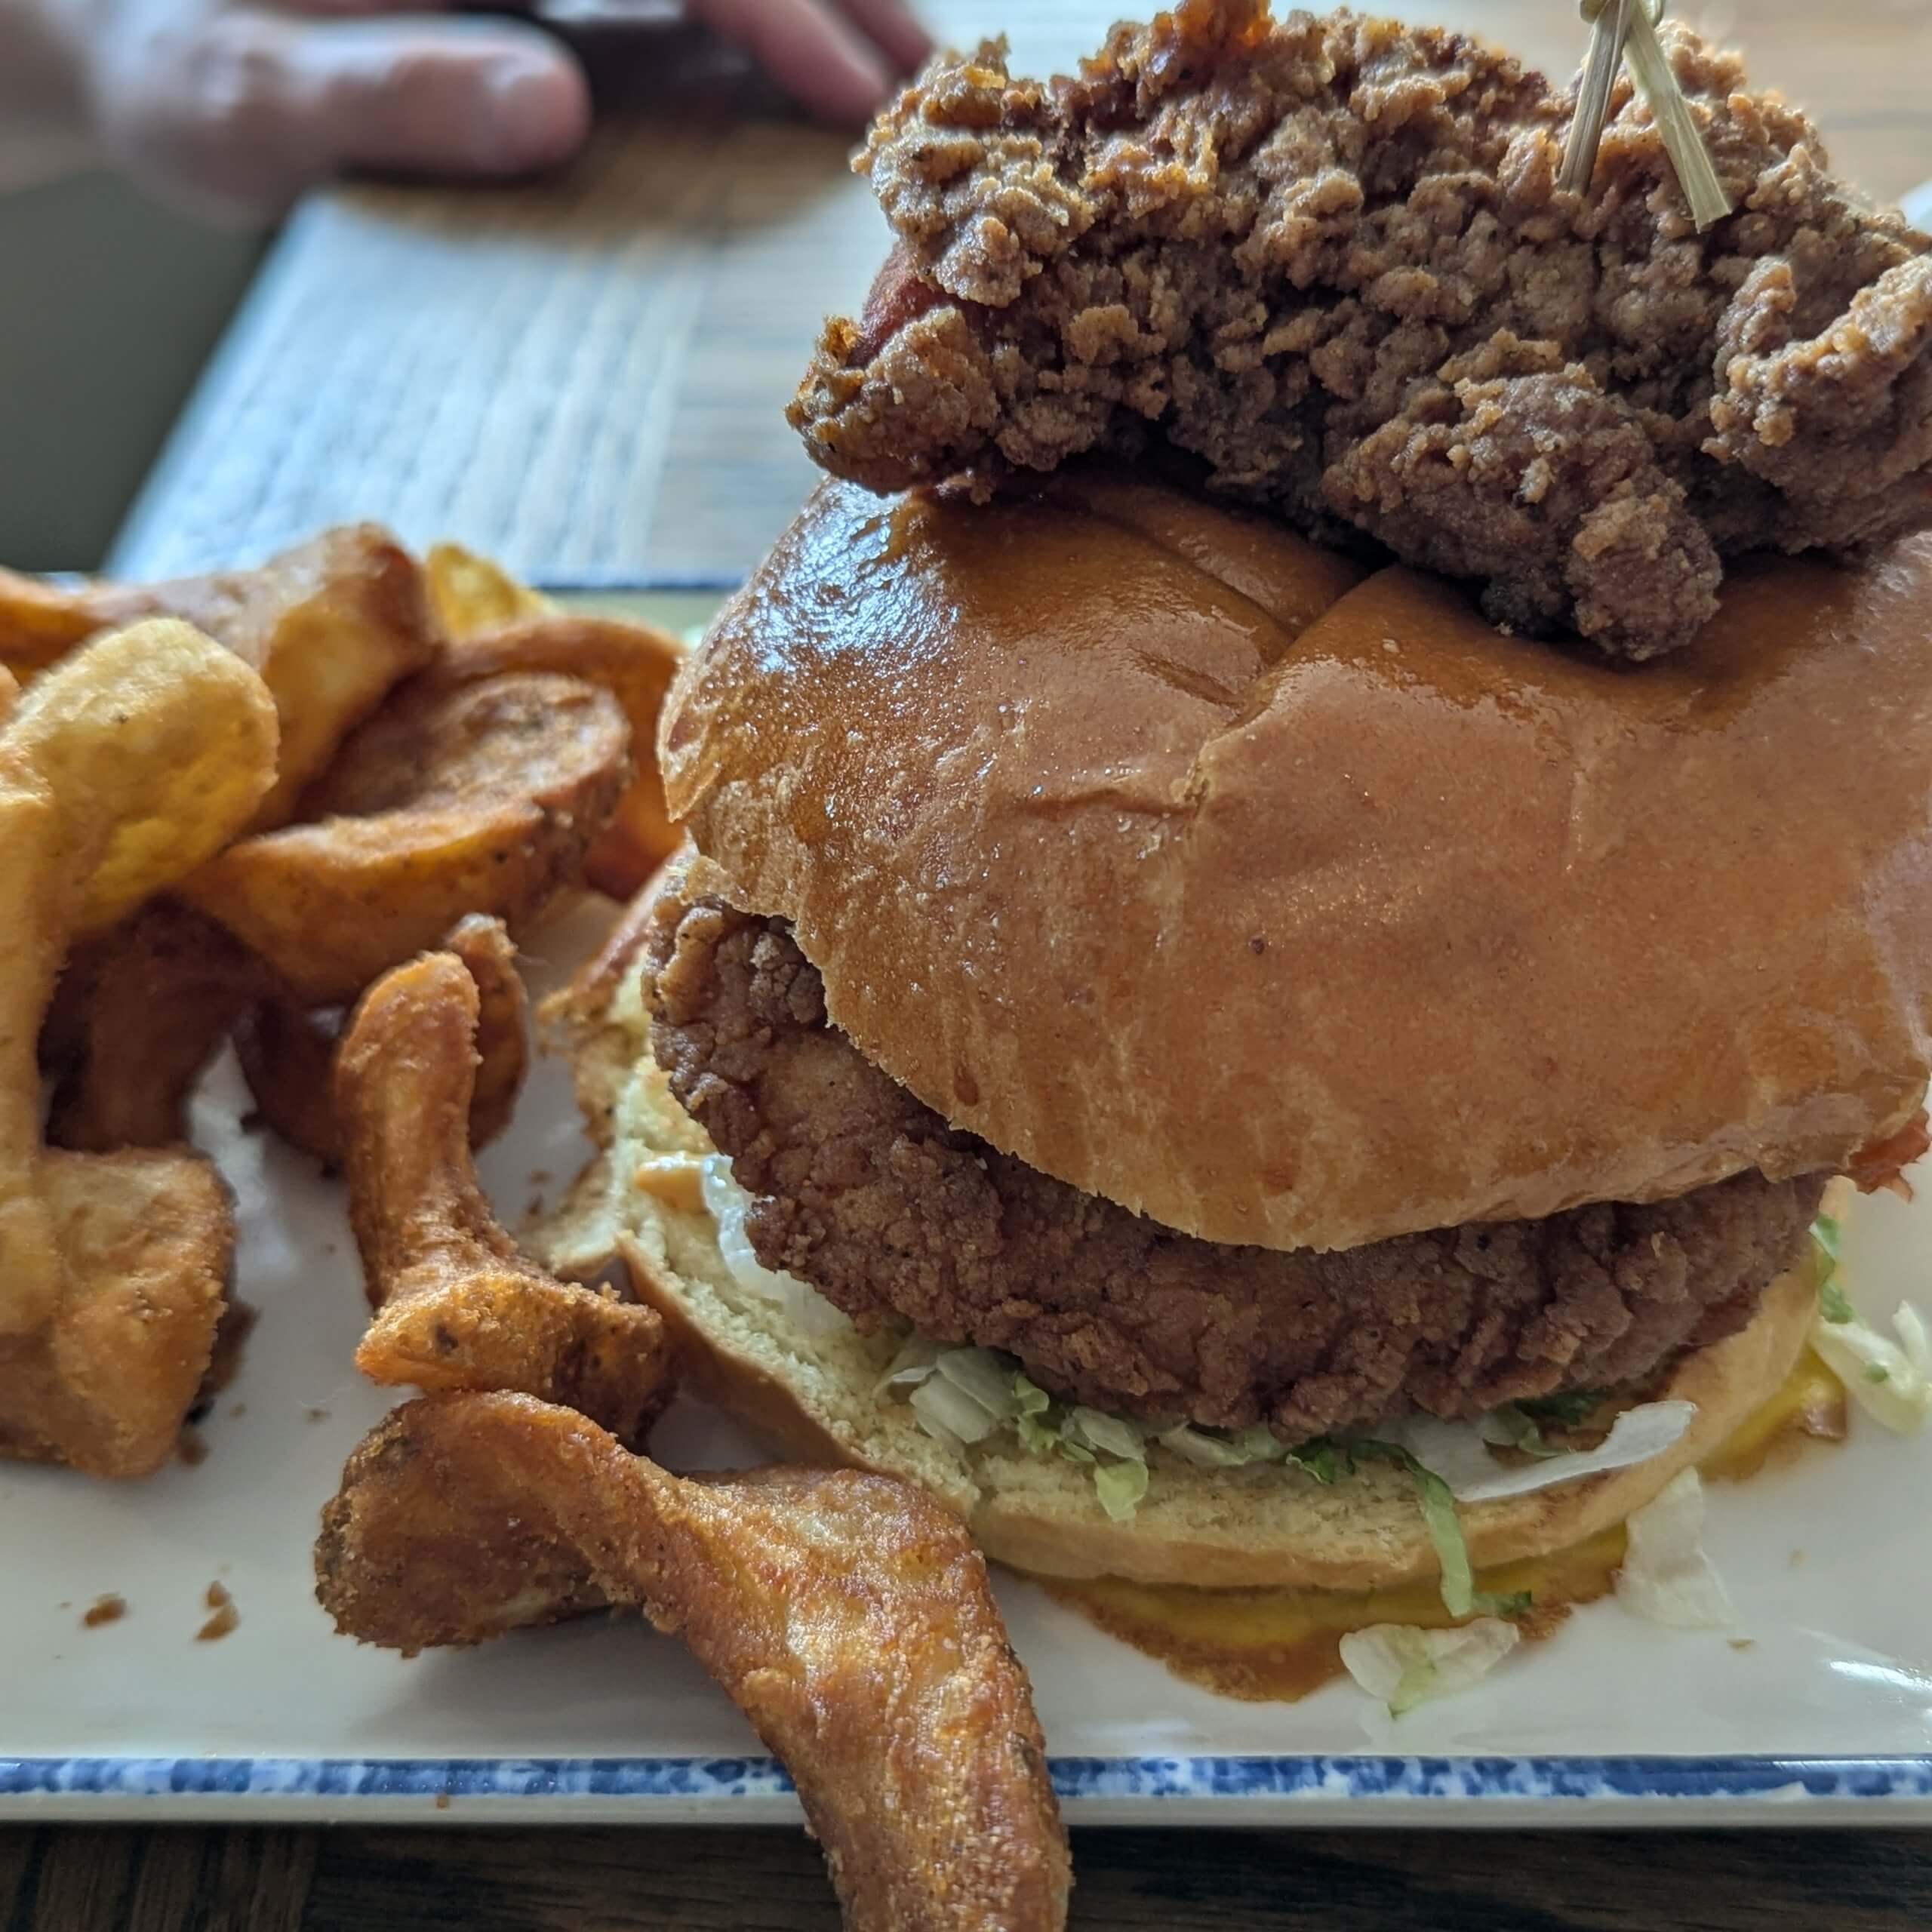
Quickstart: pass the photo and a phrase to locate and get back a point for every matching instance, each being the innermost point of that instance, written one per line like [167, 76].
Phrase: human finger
[250, 108]
[439, 96]
[892, 27]
[815, 53]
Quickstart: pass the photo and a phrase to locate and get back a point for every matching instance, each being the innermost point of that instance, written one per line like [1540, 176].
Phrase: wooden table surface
[586, 378]
[359, 1880]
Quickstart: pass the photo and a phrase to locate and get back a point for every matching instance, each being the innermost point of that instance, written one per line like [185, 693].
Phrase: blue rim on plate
[1076, 1779]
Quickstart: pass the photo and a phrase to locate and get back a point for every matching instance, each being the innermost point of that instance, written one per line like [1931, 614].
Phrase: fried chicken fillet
[1327, 258]
[870, 1196]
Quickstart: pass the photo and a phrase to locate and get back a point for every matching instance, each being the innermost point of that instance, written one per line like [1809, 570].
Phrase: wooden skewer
[1626, 29]
[1610, 29]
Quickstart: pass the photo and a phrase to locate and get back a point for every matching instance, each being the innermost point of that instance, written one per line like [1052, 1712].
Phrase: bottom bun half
[808, 1387]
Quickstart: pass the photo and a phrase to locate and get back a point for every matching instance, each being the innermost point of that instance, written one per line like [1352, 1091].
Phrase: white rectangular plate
[1826, 1714]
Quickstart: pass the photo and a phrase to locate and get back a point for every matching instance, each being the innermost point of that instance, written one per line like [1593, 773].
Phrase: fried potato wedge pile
[287, 1056]
[848, 1615]
[458, 1307]
[162, 989]
[145, 1239]
[330, 626]
[471, 595]
[229, 805]
[40, 622]
[112, 1267]
[635, 664]
[481, 797]
[157, 748]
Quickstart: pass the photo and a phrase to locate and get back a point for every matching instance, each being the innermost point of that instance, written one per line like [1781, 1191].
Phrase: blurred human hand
[234, 108]
[839, 57]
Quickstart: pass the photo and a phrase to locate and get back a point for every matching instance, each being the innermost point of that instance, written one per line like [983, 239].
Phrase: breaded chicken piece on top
[1328, 257]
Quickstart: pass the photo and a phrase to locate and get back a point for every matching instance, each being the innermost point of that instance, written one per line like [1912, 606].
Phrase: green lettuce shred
[1562, 1411]
[1833, 1302]
[1511, 1426]
[1115, 1450]
[1460, 1597]
[1120, 1486]
[1319, 1457]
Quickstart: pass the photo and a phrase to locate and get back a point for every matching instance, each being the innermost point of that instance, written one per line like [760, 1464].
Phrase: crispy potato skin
[287, 1056]
[145, 1238]
[163, 988]
[40, 623]
[158, 748]
[635, 663]
[329, 625]
[456, 1306]
[37, 902]
[848, 1615]
[113, 1267]
[482, 797]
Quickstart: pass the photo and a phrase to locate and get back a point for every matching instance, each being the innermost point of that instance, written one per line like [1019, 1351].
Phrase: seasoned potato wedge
[482, 797]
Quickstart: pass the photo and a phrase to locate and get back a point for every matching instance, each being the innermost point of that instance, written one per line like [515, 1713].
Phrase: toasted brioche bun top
[811, 1392]
[1168, 853]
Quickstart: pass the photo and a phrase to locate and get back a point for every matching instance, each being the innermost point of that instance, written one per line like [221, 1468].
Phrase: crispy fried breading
[35, 898]
[635, 663]
[329, 626]
[163, 988]
[157, 748]
[144, 1238]
[40, 622]
[111, 1267]
[456, 1306]
[479, 798]
[287, 1056]
[848, 1615]
[1328, 257]
[471, 595]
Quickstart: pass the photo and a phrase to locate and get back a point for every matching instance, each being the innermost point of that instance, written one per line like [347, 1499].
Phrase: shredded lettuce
[1565, 1410]
[1667, 1577]
[1824, 1232]
[1211, 1452]
[1405, 1667]
[1460, 1597]
[1320, 1458]
[1891, 1380]
[985, 1377]
[1475, 1476]
[963, 1395]
[1509, 1426]
[1120, 1486]
[1114, 1434]
[916, 1359]
[945, 1411]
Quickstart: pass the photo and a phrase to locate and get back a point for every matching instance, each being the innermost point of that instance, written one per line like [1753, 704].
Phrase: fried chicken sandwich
[1170, 1021]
